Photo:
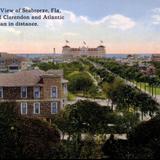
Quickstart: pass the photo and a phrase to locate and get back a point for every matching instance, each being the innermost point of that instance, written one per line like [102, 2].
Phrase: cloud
[156, 19]
[70, 34]
[13, 30]
[116, 21]
[156, 16]
[69, 16]
[156, 10]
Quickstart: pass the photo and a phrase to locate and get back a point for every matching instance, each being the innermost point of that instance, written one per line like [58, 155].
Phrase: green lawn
[148, 88]
[71, 97]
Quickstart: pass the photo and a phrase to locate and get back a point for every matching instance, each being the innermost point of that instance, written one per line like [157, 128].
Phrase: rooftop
[78, 49]
[26, 78]
[66, 46]
[101, 46]
[6, 55]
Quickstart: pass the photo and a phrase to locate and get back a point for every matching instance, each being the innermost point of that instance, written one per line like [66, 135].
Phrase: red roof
[66, 46]
[101, 46]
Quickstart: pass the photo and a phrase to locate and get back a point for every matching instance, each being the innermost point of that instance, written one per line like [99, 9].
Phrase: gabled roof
[23, 78]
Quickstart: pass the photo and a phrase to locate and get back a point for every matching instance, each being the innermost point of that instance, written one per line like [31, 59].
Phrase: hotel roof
[66, 46]
[26, 78]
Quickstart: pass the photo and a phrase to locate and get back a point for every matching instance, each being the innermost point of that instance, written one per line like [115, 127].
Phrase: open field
[146, 87]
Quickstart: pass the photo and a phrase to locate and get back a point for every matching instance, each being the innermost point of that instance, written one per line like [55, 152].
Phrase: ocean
[109, 55]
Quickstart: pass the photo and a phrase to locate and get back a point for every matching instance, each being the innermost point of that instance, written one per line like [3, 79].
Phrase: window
[1, 61]
[65, 88]
[1, 92]
[23, 92]
[23, 108]
[64, 101]
[36, 108]
[54, 92]
[54, 108]
[36, 92]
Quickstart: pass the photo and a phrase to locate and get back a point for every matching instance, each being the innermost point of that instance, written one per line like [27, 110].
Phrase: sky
[124, 26]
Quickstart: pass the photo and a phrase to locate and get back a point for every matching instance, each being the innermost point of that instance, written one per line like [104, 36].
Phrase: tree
[115, 149]
[87, 117]
[47, 66]
[80, 82]
[25, 138]
[121, 94]
[93, 91]
[146, 104]
[143, 142]
[84, 117]
[127, 97]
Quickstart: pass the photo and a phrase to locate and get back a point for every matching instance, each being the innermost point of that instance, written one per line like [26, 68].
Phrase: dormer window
[23, 92]
[1, 92]
[36, 92]
[54, 92]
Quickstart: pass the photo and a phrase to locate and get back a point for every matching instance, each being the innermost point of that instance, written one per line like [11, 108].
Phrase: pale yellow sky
[121, 33]
[47, 47]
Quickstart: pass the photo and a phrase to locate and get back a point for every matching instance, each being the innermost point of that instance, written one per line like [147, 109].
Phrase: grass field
[146, 87]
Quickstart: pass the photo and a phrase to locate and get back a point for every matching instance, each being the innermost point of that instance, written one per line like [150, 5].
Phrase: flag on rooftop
[67, 41]
[84, 42]
[101, 41]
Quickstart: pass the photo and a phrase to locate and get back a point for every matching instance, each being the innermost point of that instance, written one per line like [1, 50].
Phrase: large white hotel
[99, 52]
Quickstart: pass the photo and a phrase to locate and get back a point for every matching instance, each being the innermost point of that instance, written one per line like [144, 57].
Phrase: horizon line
[62, 53]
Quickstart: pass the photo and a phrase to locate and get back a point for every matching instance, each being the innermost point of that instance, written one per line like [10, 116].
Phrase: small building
[26, 65]
[10, 62]
[148, 70]
[37, 94]
[155, 58]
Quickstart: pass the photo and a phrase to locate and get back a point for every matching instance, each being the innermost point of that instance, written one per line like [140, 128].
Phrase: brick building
[10, 62]
[155, 58]
[38, 94]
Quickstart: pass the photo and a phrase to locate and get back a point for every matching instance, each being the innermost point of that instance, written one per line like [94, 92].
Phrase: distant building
[148, 70]
[26, 65]
[10, 62]
[135, 59]
[133, 56]
[155, 58]
[37, 94]
[98, 52]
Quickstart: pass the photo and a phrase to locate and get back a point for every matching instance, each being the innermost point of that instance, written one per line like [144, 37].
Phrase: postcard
[80, 79]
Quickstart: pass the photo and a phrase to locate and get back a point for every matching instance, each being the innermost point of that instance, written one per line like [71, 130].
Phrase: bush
[143, 143]
[71, 97]
[80, 82]
[25, 138]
